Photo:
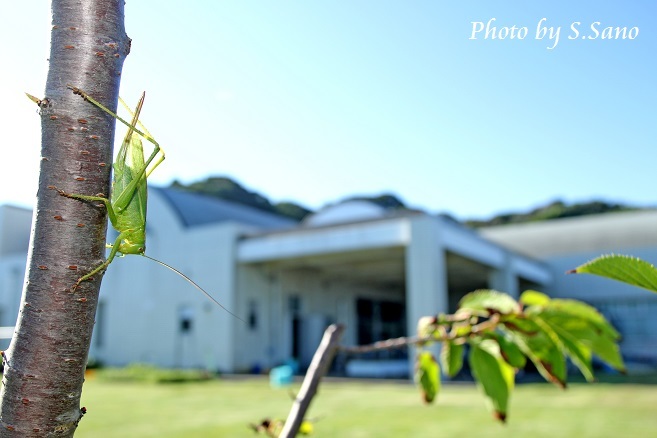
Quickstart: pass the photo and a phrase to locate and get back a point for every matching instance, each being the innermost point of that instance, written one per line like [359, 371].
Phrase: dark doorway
[379, 320]
[294, 306]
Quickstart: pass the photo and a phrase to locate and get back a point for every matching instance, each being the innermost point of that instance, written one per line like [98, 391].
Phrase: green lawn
[223, 408]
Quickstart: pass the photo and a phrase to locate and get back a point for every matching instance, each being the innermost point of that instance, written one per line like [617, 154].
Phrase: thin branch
[388, 344]
[318, 368]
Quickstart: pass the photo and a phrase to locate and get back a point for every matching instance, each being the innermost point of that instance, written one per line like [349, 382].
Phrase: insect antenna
[193, 283]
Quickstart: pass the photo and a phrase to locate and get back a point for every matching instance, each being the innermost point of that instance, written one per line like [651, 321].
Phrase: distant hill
[228, 189]
[553, 210]
[386, 200]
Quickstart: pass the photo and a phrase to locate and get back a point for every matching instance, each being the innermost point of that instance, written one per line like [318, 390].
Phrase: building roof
[354, 211]
[195, 209]
[345, 212]
[577, 235]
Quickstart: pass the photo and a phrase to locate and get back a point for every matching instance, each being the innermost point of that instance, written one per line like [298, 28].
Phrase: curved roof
[344, 212]
[195, 209]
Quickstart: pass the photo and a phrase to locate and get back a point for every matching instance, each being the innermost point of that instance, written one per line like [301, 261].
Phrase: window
[379, 320]
[186, 319]
[253, 315]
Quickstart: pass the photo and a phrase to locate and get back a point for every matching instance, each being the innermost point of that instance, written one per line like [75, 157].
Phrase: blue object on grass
[281, 376]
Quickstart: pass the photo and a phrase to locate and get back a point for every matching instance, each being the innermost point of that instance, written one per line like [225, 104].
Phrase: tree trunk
[45, 363]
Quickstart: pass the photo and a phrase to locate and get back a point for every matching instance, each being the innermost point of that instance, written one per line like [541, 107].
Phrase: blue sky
[315, 101]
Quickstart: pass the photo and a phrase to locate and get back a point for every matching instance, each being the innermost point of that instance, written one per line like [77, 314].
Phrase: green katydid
[126, 207]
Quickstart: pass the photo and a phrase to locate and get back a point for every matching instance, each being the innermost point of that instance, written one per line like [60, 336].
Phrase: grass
[150, 374]
[223, 408]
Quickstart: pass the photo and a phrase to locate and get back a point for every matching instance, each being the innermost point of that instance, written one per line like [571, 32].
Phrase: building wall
[12, 273]
[256, 340]
[15, 224]
[144, 306]
[279, 296]
[149, 314]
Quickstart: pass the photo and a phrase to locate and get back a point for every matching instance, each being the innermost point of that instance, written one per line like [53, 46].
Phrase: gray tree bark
[318, 368]
[45, 363]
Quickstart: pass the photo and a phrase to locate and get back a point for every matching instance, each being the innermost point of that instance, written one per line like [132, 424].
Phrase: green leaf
[581, 329]
[486, 301]
[427, 375]
[510, 351]
[578, 309]
[607, 350]
[630, 270]
[519, 323]
[540, 347]
[534, 298]
[494, 376]
[571, 343]
[591, 333]
[451, 358]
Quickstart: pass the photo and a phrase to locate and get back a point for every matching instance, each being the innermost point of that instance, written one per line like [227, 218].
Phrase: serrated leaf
[630, 270]
[494, 376]
[534, 298]
[451, 358]
[486, 301]
[427, 376]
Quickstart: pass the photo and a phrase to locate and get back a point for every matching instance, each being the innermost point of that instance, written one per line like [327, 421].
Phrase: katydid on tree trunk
[126, 207]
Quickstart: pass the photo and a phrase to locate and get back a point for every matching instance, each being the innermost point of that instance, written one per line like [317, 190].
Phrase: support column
[426, 275]
[504, 279]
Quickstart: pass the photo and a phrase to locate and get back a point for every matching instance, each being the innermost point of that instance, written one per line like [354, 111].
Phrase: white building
[353, 263]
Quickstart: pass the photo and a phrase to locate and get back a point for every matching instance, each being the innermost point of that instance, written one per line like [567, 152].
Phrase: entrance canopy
[389, 252]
